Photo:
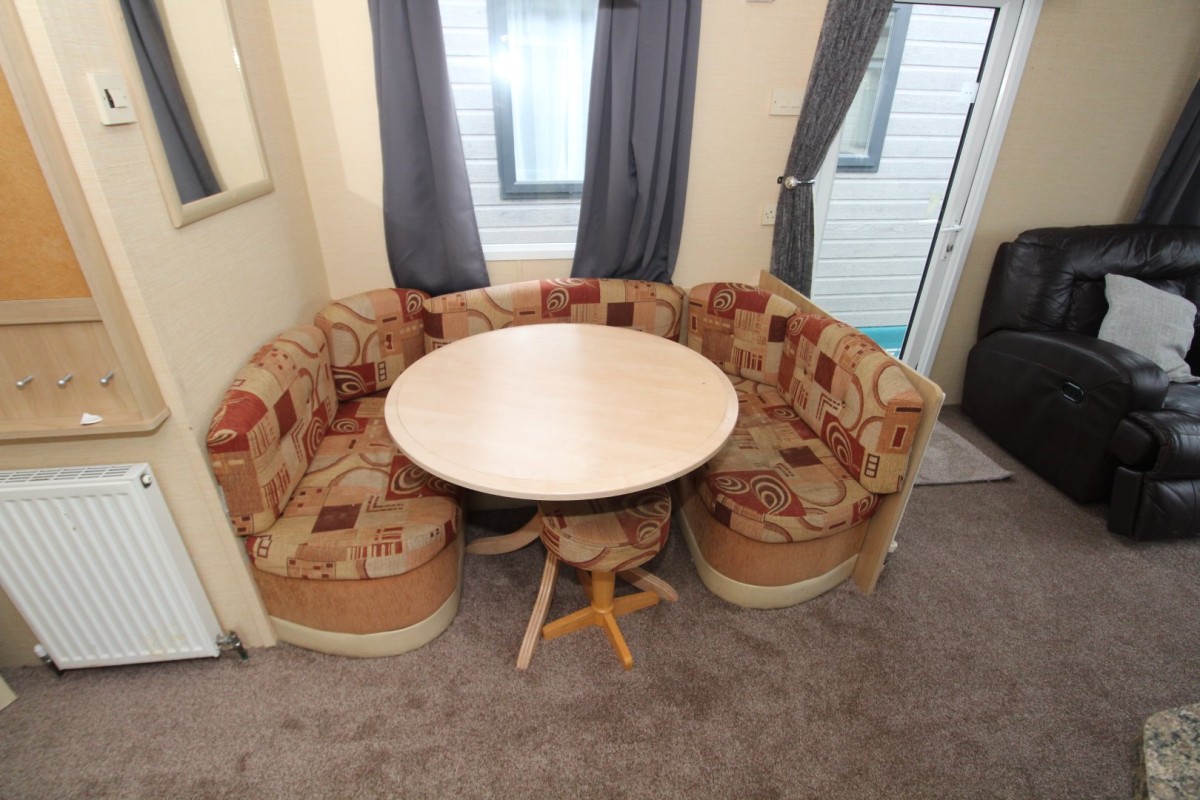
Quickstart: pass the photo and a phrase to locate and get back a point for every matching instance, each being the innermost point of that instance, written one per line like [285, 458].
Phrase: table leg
[509, 542]
[540, 607]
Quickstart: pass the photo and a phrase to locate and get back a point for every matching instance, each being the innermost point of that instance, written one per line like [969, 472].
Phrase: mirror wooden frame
[186, 213]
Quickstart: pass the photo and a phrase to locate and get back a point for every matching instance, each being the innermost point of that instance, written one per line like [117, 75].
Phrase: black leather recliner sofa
[1094, 419]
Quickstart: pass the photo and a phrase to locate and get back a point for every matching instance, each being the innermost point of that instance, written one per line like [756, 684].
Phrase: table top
[561, 411]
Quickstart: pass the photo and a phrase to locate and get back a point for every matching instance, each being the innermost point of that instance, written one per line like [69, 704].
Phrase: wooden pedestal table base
[509, 542]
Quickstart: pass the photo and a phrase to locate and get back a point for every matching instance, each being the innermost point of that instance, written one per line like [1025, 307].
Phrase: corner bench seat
[775, 480]
[356, 551]
[362, 510]
[829, 430]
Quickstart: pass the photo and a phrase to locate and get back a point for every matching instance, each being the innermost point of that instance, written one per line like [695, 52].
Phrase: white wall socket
[768, 214]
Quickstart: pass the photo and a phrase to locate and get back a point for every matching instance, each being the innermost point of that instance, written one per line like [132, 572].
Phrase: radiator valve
[231, 641]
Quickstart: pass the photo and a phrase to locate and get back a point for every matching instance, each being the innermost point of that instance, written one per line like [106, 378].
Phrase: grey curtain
[429, 219]
[1173, 197]
[848, 37]
[639, 139]
[194, 176]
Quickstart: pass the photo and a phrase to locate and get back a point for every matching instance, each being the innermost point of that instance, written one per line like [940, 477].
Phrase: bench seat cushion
[270, 423]
[363, 510]
[775, 480]
[373, 337]
[640, 305]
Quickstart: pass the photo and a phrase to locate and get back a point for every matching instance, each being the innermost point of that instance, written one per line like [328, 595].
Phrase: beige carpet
[1012, 651]
[950, 458]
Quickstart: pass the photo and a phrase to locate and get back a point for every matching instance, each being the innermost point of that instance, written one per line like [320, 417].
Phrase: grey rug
[950, 458]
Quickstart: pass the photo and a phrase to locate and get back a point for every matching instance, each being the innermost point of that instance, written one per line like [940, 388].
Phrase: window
[541, 54]
[520, 71]
[866, 122]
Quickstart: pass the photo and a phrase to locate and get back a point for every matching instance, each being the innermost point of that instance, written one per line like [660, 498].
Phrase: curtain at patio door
[893, 202]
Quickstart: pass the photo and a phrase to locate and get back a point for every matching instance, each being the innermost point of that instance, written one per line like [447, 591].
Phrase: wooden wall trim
[20, 69]
[64, 309]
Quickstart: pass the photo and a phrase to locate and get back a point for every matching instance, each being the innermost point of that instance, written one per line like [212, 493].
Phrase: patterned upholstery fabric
[270, 424]
[775, 480]
[372, 338]
[740, 328]
[610, 534]
[640, 305]
[363, 510]
[854, 395]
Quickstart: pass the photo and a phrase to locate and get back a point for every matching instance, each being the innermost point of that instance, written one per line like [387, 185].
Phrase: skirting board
[6, 694]
[375, 645]
[750, 596]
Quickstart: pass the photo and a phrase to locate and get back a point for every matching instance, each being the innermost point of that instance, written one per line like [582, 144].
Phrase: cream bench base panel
[375, 645]
[751, 596]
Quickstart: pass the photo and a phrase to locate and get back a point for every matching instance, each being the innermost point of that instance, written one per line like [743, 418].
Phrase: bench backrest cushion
[641, 305]
[854, 395]
[373, 337]
[269, 425]
[740, 328]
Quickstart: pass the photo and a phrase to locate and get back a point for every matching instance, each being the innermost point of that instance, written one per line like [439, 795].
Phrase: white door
[899, 196]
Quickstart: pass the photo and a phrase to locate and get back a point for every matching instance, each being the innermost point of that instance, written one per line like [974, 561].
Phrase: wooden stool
[601, 538]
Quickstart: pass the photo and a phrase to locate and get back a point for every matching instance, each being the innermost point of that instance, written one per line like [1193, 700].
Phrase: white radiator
[92, 559]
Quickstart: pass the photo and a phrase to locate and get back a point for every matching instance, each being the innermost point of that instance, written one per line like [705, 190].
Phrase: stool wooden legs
[585, 618]
[540, 607]
[603, 613]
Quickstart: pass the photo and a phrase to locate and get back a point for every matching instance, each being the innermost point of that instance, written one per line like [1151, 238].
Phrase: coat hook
[21, 384]
[65, 379]
[107, 379]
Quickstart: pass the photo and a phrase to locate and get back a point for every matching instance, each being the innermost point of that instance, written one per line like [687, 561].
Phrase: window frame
[510, 187]
[882, 109]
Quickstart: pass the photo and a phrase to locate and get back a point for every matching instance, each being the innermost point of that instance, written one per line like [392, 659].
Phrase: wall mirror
[193, 105]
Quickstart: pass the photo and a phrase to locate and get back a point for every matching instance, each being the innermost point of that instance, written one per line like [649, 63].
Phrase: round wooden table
[560, 412]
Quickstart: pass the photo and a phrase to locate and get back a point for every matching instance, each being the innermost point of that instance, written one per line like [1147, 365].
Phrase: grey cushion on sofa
[1153, 323]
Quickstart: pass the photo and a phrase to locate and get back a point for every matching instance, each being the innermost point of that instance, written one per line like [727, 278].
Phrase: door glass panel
[882, 218]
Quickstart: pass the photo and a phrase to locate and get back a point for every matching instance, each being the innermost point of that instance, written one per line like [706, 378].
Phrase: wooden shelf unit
[43, 334]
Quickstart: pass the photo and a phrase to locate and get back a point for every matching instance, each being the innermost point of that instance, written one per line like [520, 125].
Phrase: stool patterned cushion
[610, 534]
[739, 328]
[854, 395]
[640, 305]
[373, 337]
[269, 425]
[363, 510]
[775, 480]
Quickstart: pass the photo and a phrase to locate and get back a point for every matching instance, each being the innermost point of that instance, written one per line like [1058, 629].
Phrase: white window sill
[527, 252]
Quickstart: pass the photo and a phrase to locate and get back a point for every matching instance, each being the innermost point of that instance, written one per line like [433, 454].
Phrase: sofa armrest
[1177, 438]
[1054, 400]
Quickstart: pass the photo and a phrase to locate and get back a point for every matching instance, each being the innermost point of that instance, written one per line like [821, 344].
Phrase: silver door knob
[65, 379]
[21, 384]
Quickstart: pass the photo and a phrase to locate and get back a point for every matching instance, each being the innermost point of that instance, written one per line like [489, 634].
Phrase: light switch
[112, 97]
[786, 102]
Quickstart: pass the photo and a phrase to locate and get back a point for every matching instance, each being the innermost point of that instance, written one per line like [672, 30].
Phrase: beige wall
[746, 50]
[1103, 86]
[203, 297]
[327, 56]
